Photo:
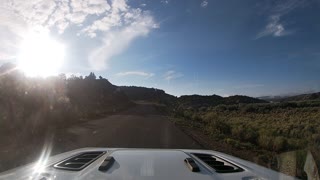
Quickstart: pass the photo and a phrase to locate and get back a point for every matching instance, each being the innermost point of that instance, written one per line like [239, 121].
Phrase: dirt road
[139, 127]
[142, 126]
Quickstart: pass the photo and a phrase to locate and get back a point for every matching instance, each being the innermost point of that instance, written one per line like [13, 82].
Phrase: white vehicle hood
[141, 164]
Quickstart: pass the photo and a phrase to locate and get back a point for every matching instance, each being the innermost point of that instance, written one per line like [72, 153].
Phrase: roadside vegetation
[34, 105]
[31, 109]
[265, 129]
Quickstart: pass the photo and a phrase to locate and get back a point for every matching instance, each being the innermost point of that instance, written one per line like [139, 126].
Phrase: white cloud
[116, 41]
[90, 6]
[120, 26]
[60, 17]
[77, 17]
[204, 3]
[169, 75]
[274, 28]
[11, 33]
[116, 22]
[35, 12]
[135, 73]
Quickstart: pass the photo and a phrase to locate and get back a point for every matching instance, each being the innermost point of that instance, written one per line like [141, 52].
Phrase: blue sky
[255, 48]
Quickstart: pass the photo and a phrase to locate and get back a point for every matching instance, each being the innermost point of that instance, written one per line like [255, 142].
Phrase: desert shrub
[221, 108]
[220, 126]
[296, 143]
[288, 105]
[249, 109]
[264, 158]
[196, 117]
[251, 135]
[232, 142]
[210, 116]
[187, 114]
[316, 139]
[232, 107]
[265, 141]
[238, 131]
[279, 143]
[203, 109]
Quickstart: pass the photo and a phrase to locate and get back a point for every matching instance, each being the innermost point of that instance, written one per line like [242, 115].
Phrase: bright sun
[40, 55]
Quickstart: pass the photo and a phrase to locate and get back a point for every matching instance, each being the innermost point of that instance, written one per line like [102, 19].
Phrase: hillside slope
[196, 101]
[302, 97]
[135, 93]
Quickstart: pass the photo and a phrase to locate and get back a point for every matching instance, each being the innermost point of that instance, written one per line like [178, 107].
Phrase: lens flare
[39, 168]
[40, 55]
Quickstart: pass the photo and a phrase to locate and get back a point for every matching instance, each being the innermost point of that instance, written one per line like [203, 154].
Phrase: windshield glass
[238, 77]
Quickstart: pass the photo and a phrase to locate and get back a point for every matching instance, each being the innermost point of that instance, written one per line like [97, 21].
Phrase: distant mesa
[301, 97]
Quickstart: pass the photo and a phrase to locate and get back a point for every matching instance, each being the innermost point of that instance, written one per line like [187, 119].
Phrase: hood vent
[80, 161]
[218, 164]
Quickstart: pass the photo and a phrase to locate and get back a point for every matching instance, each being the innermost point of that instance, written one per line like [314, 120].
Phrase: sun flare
[40, 55]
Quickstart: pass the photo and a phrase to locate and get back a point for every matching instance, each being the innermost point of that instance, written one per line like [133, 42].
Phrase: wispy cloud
[165, 1]
[169, 75]
[115, 42]
[276, 27]
[135, 73]
[204, 3]
[286, 6]
[114, 22]
[120, 28]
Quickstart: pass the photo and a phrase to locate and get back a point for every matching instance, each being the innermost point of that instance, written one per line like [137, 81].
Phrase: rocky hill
[135, 93]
